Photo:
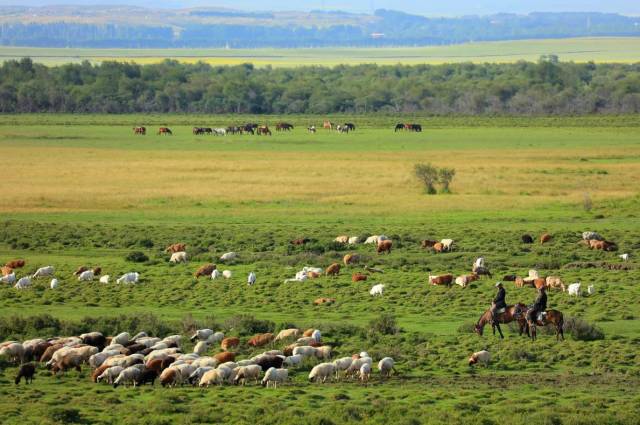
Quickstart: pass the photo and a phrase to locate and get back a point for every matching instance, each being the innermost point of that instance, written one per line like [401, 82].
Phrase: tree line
[546, 87]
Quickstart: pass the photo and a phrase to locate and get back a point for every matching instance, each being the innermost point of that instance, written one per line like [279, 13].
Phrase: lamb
[131, 277]
[27, 371]
[178, 257]
[105, 279]
[481, 357]
[574, 289]
[86, 276]
[246, 373]
[287, 333]
[110, 374]
[228, 256]
[43, 272]
[274, 376]
[377, 290]
[23, 283]
[385, 366]
[128, 376]
[322, 372]
[9, 278]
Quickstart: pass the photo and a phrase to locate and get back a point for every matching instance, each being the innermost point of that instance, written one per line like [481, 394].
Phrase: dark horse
[399, 127]
[511, 313]
[284, 126]
[553, 317]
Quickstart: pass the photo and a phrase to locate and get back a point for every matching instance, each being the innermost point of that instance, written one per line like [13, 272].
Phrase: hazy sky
[424, 7]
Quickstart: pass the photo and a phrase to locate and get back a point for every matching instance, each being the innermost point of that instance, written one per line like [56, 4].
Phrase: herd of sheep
[124, 360]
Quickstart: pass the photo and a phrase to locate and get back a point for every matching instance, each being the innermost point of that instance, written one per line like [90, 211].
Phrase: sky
[421, 7]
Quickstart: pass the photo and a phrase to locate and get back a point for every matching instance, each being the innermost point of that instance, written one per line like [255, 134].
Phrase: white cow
[377, 289]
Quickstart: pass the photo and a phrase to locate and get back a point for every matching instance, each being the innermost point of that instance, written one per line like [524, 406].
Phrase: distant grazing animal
[131, 277]
[365, 373]
[311, 129]
[481, 357]
[574, 289]
[322, 372]
[602, 245]
[9, 278]
[465, 280]
[104, 279]
[327, 125]
[23, 283]
[386, 366]
[6, 270]
[509, 277]
[284, 126]
[398, 127]
[342, 129]
[176, 247]
[15, 264]
[333, 269]
[246, 373]
[555, 282]
[444, 279]
[26, 371]
[350, 259]
[251, 279]
[527, 239]
[438, 247]
[377, 290]
[274, 377]
[86, 276]
[205, 270]
[427, 243]
[225, 356]
[384, 246]
[300, 241]
[228, 256]
[178, 257]
[164, 131]
[266, 362]
[287, 333]
[44, 272]
[351, 126]
[482, 271]
[322, 301]
[342, 239]
[141, 131]
[226, 274]
[14, 351]
[591, 236]
[263, 130]
[447, 244]
[353, 240]
[260, 340]
[539, 283]
[358, 277]
[230, 342]
[545, 238]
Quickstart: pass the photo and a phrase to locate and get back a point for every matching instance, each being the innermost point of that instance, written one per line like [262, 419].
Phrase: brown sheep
[176, 247]
[358, 277]
[69, 361]
[333, 270]
[168, 377]
[545, 238]
[230, 342]
[97, 372]
[300, 241]
[36, 351]
[260, 340]
[6, 271]
[519, 282]
[224, 357]
[438, 247]
[384, 246]
[308, 332]
[48, 353]
[313, 275]
[322, 301]
[539, 283]
[205, 270]
[15, 264]
[351, 259]
[27, 371]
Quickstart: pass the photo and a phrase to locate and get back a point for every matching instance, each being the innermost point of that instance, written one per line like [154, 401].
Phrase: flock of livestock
[123, 360]
[258, 129]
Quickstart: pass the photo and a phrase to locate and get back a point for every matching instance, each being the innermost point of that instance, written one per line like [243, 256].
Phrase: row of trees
[546, 87]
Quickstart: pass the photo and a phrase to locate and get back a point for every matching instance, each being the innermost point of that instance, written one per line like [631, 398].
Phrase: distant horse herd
[257, 129]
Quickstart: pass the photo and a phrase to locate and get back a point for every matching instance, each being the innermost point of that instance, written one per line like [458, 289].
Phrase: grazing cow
[384, 246]
[526, 238]
[444, 279]
[545, 238]
[205, 270]
[15, 264]
[351, 259]
[176, 247]
[333, 269]
[260, 340]
[323, 301]
[230, 342]
[27, 371]
[358, 277]
[351, 126]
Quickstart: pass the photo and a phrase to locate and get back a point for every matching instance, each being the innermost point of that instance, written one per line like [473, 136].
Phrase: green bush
[136, 257]
[581, 330]
[385, 324]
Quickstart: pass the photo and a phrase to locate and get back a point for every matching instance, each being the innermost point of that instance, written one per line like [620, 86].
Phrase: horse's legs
[500, 330]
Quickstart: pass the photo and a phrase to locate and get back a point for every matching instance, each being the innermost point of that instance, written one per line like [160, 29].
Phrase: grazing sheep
[215, 274]
[110, 374]
[122, 338]
[342, 239]
[225, 356]
[170, 377]
[350, 259]
[591, 289]
[105, 278]
[14, 351]
[176, 247]
[464, 280]
[324, 300]
[70, 360]
[200, 348]
[205, 270]
[15, 264]
[260, 340]
[624, 257]
[385, 366]
[201, 335]
[274, 376]
[86, 276]
[305, 351]
[9, 278]
[333, 270]
[43, 272]
[365, 372]
[377, 289]
[212, 377]
[293, 360]
[527, 238]
[197, 374]
[215, 338]
[287, 333]
[146, 376]
[251, 279]
[554, 282]
[322, 372]
[4, 270]
[316, 335]
[384, 246]
[131, 277]
[481, 357]
[574, 289]
[227, 274]
[228, 256]
[54, 283]
[27, 370]
[358, 277]
[178, 257]
[586, 236]
[128, 376]
[356, 364]
[230, 342]
[372, 240]
[445, 279]
[323, 352]
[353, 240]
[246, 373]
[23, 283]
[447, 245]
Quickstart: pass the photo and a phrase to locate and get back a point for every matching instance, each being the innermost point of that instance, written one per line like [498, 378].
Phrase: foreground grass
[596, 49]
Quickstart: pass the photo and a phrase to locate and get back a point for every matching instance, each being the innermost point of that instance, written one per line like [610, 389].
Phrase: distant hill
[140, 27]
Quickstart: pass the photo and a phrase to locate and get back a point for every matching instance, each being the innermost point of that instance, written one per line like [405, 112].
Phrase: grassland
[83, 190]
[599, 49]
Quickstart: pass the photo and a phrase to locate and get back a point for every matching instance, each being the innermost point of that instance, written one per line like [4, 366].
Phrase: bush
[581, 330]
[428, 175]
[385, 324]
[145, 243]
[136, 257]
[445, 176]
[248, 325]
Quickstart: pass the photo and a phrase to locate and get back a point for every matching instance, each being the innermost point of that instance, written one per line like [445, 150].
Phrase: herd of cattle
[258, 129]
[123, 360]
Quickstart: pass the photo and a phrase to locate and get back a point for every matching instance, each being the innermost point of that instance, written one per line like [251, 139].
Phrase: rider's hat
[498, 284]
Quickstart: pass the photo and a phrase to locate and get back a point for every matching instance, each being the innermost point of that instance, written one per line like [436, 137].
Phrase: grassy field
[603, 49]
[83, 190]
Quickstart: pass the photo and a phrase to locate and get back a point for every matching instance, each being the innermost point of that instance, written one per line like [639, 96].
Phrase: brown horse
[164, 131]
[512, 313]
[327, 125]
[553, 317]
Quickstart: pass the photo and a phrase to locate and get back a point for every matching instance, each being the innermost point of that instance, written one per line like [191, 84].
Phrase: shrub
[385, 324]
[145, 243]
[581, 330]
[428, 175]
[245, 324]
[136, 257]
[445, 176]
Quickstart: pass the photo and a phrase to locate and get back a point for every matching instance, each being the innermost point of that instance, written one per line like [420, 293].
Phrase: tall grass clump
[581, 330]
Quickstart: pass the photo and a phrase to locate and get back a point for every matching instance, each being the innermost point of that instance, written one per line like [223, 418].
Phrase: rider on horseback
[539, 305]
[498, 302]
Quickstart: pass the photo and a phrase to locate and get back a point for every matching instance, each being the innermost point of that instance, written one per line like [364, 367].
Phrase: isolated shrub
[145, 243]
[445, 176]
[428, 175]
[136, 257]
[385, 324]
[581, 330]
[65, 415]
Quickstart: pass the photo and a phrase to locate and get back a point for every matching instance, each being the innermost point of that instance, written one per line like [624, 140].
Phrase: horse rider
[539, 305]
[498, 302]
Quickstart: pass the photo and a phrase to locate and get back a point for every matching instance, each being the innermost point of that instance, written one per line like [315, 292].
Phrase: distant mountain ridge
[139, 27]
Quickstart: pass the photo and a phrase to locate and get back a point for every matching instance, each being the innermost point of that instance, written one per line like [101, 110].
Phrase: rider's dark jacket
[540, 303]
[499, 300]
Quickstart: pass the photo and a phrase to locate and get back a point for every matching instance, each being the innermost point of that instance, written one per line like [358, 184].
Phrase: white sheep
[323, 352]
[54, 283]
[246, 373]
[274, 376]
[131, 277]
[353, 240]
[251, 279]
[293, 360]
[624, 257]
[122, 338]
[104, 279]
[96, 360]
[591, 236]
[14, 351]
[322, 372]
[10, 279]
[227, 274]
[246, 362]
[197, 374]
[316, 335]
[215, 274]
[110, 374]
[212, 377]
[127, 376]
[481, 357]
[356, 364]
[372, 240]
[377, 289]
[447, 244]
[574, 289]
[365, 372]
[23, 283]
[43, 272]
[86, 276]
[305, 351]
[202, 334]
[385, 366]
[201, 348]
[228, 256]
[216, 337]
[178, 257]
[342, 363]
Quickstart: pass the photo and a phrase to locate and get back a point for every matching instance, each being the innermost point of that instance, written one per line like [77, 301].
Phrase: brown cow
[15, 264]
[357, 277]
[384, 246]
[260, 340]
[444, 279]
[438, 247]
[351, 259]
[176, 247]
[230, 342]
[545, 238]
[428, 243]
[322, 301]
[224, 357]
[205, 270]
[6, 271]
[333, 270]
